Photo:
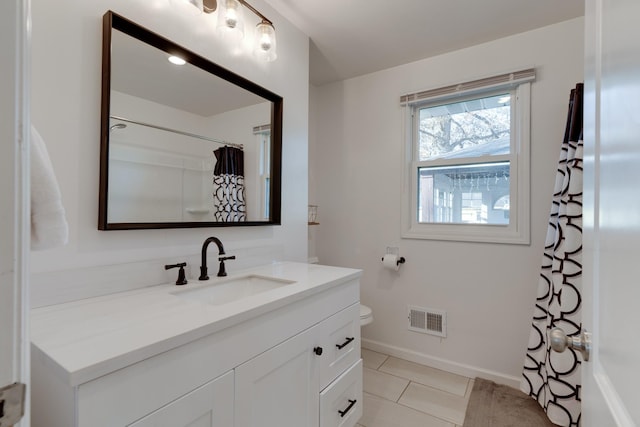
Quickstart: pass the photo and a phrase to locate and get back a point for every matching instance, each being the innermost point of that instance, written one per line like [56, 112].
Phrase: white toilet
[366, 315]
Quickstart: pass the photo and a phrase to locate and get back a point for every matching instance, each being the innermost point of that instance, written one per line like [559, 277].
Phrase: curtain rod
[179, 132]
[467, 88]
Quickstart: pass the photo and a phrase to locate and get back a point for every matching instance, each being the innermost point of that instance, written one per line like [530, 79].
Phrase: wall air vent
[428, 321]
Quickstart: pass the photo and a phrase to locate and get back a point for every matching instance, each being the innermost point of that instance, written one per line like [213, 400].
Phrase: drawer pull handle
[344, 344]
[317, 351]
[351, 403]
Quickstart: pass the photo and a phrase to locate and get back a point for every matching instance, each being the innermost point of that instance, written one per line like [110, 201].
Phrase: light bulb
[230, 23]
[265, 47]
[265, 42]
[231, 18]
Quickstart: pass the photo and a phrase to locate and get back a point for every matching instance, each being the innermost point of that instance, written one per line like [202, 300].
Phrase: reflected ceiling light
[504, 99]
[176, 60]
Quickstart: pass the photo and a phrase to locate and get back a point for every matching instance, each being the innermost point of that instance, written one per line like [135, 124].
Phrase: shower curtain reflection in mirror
[228, 185]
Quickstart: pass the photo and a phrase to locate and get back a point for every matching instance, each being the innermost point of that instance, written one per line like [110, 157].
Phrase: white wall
[66, 110]
[488, 290]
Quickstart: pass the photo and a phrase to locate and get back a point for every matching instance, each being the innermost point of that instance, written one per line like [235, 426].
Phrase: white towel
[49, 226]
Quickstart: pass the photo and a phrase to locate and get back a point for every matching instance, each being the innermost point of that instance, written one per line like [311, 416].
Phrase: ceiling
[143, 71]
[354, 37]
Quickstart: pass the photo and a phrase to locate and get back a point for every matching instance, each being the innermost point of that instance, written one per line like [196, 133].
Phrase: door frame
[601, 403]
[15, 43]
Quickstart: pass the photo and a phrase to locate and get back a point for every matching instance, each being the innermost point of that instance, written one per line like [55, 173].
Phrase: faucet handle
[222, 270]
[182, 280]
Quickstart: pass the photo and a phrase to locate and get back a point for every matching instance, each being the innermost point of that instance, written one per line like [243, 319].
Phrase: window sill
[468, 233]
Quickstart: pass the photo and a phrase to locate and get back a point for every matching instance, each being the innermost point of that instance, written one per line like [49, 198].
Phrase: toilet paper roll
[390, 261]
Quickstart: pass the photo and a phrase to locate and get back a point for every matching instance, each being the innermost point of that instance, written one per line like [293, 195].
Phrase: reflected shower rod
[179, 132]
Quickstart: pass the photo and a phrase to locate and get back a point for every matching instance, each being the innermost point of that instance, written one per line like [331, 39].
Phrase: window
[263, 134]
[467, 169]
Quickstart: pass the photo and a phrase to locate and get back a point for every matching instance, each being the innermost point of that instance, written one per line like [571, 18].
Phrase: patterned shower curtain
[552, 378]
[228, 185]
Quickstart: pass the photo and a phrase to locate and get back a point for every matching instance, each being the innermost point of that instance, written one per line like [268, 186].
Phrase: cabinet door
[279, 387]
[208, 406]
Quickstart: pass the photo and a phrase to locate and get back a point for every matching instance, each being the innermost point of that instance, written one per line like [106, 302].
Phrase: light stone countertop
[92, 337]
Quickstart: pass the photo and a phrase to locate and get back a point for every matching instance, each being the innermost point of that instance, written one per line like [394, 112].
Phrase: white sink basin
[231, 290]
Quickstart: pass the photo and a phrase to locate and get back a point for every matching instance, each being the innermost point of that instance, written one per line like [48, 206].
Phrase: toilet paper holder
[399, 261]
[392, 250]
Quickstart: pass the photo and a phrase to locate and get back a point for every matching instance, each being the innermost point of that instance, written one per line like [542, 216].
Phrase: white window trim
[518, 231]
[263, 135]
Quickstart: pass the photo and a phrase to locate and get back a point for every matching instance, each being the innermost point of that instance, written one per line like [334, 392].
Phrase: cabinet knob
[317, 351]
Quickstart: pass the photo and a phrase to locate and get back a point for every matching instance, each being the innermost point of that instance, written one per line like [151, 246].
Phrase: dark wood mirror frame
[111, 21]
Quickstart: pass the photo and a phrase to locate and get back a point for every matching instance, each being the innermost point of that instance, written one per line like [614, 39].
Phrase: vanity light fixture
[231, 25]
[209, 6]
[265, 36]
[196, 3]
[176, 60]
[230, 21]
[265, 47]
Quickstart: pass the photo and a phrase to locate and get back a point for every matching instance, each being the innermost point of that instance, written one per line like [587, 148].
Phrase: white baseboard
[442, 364]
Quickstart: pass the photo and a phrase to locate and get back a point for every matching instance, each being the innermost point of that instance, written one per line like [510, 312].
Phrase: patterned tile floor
[398, 393]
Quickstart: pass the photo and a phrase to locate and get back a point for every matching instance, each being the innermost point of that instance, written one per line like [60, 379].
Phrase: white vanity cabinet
[292, 361]
[284, 385]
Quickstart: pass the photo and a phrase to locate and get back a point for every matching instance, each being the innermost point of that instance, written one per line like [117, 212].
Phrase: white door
[280, 387]
[14, 344]
[612, 213]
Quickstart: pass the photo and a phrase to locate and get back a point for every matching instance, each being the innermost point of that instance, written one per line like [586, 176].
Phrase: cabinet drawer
[340, 340]
[341, 402]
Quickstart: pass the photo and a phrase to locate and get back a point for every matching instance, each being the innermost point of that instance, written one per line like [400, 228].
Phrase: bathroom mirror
[182, 145]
